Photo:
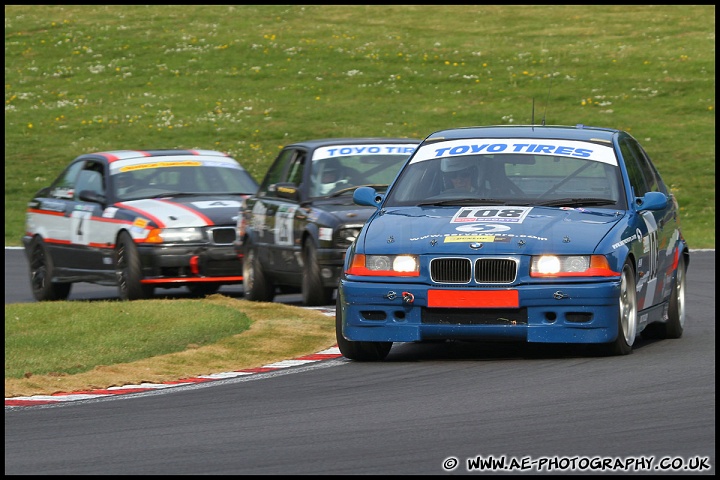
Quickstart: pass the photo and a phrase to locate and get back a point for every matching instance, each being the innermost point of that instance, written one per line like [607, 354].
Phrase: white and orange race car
[139, 220]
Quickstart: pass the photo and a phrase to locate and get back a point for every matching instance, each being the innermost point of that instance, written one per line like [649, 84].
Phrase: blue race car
[543, 234]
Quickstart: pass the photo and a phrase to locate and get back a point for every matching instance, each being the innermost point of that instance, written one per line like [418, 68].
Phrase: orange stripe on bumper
[473, 299]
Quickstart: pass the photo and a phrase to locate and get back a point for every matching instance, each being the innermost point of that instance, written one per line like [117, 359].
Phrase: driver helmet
[330, 176]
[123, 181]
[453, 165]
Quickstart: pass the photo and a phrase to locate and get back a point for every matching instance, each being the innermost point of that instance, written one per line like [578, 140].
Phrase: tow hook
[408, 297]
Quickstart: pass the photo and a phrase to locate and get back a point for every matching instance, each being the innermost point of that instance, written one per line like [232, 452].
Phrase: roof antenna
[532, 121]
[547, 101]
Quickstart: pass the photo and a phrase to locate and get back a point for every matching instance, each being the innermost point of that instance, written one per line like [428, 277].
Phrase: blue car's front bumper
[558, 313]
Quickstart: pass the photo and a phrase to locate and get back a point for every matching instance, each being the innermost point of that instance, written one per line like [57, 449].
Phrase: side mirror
[652, 201]
[43, 192]
[367, 196]
[92, 196]
[287, 190]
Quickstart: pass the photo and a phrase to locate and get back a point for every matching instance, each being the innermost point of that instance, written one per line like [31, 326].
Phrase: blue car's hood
[500, 230]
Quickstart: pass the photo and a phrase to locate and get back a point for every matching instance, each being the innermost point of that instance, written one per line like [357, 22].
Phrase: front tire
[360, 351]
[42, 270]
[673, 327]
[627, 314]
[256, 287]
[313, 292]
[128, 270]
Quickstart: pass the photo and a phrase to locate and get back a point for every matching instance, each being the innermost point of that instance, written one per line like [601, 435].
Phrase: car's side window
[90, 178]
[275, 173]
[64, 186]
[632, 164]
[650, 172]
[295, 174]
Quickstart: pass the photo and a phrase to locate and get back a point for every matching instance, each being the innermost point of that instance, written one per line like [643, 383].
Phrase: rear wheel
[673, 327]
[128, 270]
[627, 314]
[313, 291]
[360, 351]
[256, 287]
[41, 273]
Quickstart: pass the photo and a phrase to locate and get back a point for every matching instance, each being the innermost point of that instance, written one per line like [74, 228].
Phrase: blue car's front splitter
[566, 313]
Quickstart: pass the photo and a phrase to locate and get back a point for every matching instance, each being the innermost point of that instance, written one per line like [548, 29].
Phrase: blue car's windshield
[509, 179]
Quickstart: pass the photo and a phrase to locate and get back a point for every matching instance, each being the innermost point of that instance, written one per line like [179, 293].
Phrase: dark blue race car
[294, 232]
[544, 234]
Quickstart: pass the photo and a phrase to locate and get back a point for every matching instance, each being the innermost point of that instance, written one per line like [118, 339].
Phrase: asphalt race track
[428, 409]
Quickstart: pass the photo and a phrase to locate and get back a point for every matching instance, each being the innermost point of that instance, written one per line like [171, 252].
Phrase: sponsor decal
[497, 238]
[110, 212]
[284, 224]
[222, 164]
[489, 146]
[140, 222]
[472, 238]
[484, 228]
[626, 240]
[259, 216]
[143, 166]
[325, 233]
[491, 214]
[650, 243]
[372, 149]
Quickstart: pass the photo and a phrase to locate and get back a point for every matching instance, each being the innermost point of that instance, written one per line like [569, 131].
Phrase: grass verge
[91, 348]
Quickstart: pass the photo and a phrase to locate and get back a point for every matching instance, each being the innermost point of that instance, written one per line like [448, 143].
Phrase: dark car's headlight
[175, 235]
[384, 265]
[346, 235]
[571, 266]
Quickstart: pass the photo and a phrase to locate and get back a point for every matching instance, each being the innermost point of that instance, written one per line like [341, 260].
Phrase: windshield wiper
[464, 201]
[177, 194]
[576, 202]
[376, 186]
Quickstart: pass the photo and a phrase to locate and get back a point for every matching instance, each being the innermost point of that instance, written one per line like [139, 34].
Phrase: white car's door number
[79, 226]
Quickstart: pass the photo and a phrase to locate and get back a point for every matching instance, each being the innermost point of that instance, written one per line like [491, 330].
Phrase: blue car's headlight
[571, 266]
[384, 265]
